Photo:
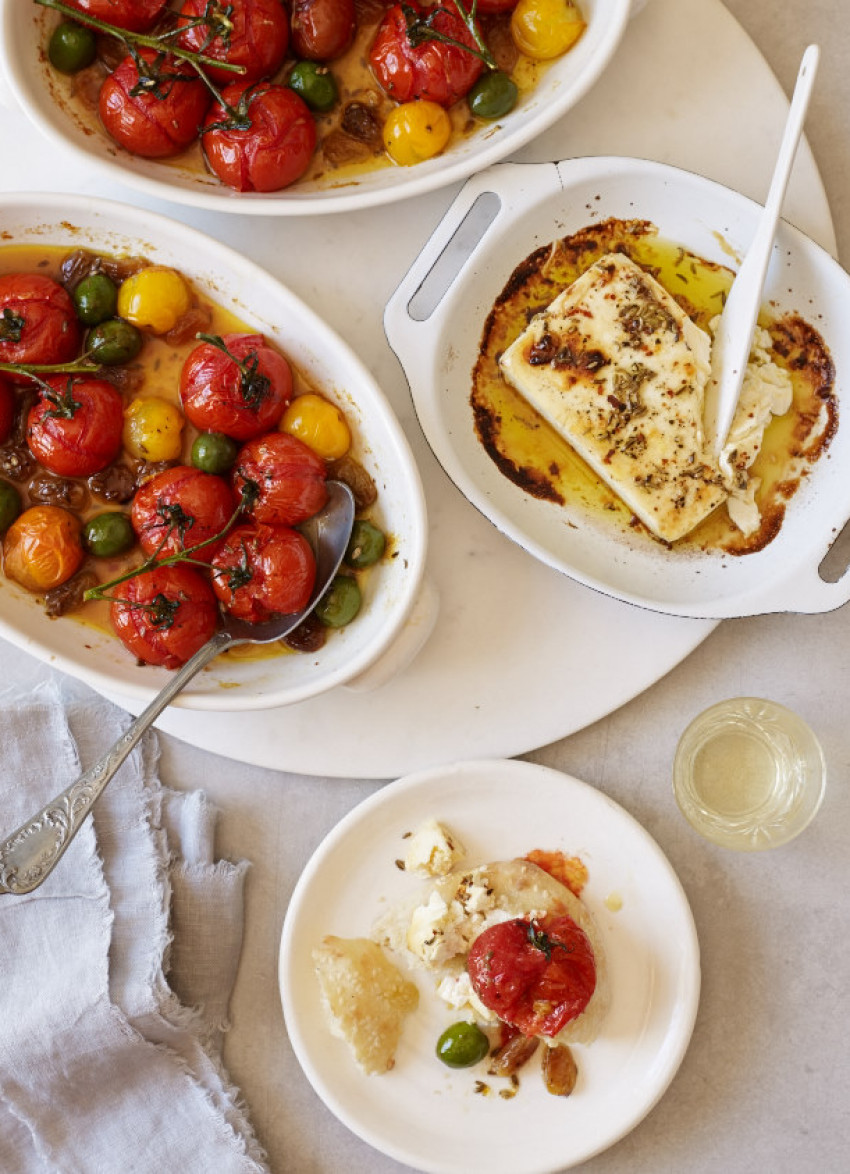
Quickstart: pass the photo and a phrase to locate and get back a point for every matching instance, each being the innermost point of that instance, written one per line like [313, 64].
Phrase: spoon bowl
[29, 855]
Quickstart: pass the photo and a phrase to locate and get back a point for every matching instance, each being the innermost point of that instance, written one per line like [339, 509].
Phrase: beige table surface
[765, 1084]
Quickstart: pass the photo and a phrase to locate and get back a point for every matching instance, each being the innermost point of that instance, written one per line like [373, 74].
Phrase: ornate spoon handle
[29, 855]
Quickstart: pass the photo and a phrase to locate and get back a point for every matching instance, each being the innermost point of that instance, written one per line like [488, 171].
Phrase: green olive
[213, 452]
[10, 505]
[114, 342]
[366, 545]
[462, 1045]
[108, 534]
[315, 84]
[72, 47]
[95, 299]
[493, 95]
[340, 603]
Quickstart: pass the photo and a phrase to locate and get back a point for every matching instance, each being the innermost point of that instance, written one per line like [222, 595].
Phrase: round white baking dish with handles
[45, 97]
[434, 323]
[399, 606]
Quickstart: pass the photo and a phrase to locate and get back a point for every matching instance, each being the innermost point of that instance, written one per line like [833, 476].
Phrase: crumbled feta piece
[433, 850]
[457, 991]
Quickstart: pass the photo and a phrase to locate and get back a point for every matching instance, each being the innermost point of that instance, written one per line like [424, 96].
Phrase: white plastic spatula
[734, 335]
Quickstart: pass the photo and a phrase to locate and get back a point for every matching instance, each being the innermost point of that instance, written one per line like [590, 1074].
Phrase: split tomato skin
[38, 323]
[280, 479]
[135, 15]
[164, 615]
[433, 70]
[273, 152]
[7, 410]
[150, 126]
[258, 38]
[181, 507]
[535, 975]
[218, 396]
[322, 30]
[263, 571]
[75, 427]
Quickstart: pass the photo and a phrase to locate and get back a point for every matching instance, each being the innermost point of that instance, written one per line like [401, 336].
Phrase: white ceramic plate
[329, 365]
[537, 203]
[34, 84]
[426, 1115]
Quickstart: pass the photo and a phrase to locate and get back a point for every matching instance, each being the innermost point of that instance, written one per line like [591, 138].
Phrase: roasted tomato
[434, 70]
[165, 615]
[487, 7]
[135, 15]
[7, 410]
[42, 547]
[250, 33]
[37, 321]
[536, 975]
[280, 479]
[182, 507]
[322, 30]
[263, 571]
[276, 147]
[158, 114]
[237, 385]
[75, 428]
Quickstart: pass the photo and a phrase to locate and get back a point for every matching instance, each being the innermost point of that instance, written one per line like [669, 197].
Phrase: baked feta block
[620, 371]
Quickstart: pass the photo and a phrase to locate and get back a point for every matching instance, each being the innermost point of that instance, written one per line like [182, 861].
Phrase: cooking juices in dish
[614, 367]
[157, 458]
[311, 90]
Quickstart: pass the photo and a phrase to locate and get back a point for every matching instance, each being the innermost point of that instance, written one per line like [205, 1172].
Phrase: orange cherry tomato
[42, 548]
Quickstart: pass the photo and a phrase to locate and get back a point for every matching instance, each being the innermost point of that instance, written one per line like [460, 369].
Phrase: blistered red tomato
[37, 321]
[135, 15]
[432, 69]
[263, 571]
[164, 615]
[7, 410]
[536, 975]
[157, 115]
[240, 387]
[487, 7]
[182, 507]
[276, 147]
[322, 30]
[42, 547]
[75, 428]
[280, 479]
[250, 33]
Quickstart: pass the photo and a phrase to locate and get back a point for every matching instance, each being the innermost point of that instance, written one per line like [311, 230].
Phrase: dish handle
[805, 592]
[407, 645]
[420, 303]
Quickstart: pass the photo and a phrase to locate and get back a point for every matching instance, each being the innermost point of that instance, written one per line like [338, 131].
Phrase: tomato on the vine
[7, 410]
[75, 427]
[263, 571]
[163, 616]
[42, 548]
[537, 975]
[273, 150]
[280, 479]
[38, 323]
[322, 30]
[250, 33]
[236, 384]
[156, 115]
[431, 69]
[135, 15]
[181, 507]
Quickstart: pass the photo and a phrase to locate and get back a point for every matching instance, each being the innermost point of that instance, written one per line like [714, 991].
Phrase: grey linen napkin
[115, 975]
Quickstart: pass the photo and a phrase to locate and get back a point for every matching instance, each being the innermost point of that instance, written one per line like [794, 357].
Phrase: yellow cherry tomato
[416, 131]
[42, 548]
[154, 299]
[153, 429]
[319, 424]
[544, 29]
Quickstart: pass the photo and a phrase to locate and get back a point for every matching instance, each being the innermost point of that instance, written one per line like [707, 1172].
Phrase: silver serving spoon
[734, 336]
[30, 854]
